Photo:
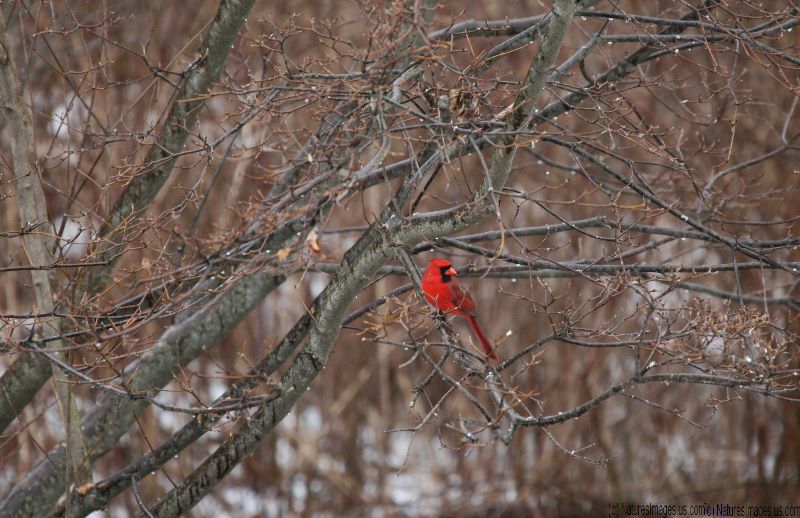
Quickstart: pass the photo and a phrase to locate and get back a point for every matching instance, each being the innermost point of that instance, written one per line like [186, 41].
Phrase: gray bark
[181, 121]
[36, 493]
[358, 268]
[32, 208]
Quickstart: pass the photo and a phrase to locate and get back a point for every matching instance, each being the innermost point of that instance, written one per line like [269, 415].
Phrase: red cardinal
[445, 294]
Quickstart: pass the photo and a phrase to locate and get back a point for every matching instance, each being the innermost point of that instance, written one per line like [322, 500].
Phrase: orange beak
[451, 271]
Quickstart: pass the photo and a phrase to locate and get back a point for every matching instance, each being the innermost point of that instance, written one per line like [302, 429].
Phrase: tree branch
[32, 208]
[196, 81]
[360, 264]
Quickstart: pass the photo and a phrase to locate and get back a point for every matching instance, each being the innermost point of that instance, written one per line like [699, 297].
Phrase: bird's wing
[461, 299]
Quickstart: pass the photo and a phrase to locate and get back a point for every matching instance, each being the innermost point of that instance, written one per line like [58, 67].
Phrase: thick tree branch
[358, 267]
[32, 208]
[35, 494]
[18, 392]
[181, 121]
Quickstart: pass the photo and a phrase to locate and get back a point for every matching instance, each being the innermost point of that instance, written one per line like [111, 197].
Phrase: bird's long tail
[478, 332]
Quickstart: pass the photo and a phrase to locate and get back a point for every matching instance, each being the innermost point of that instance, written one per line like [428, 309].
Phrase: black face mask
[445, 276]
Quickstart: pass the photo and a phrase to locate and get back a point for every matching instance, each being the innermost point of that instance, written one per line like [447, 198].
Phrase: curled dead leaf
[283, 253]
[313, 243]
[85, 488]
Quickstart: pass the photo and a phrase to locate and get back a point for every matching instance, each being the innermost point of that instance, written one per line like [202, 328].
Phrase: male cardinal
[445, 294]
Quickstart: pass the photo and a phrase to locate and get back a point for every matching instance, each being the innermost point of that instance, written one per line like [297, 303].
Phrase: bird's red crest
[439, 263]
